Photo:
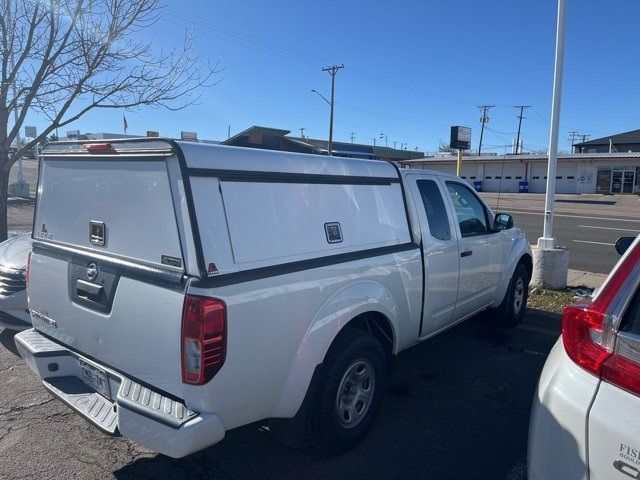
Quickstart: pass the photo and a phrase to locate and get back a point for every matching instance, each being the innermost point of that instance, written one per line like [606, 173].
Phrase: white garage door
[566, 175]
[538, 179]
[503, 178]
[565, 178]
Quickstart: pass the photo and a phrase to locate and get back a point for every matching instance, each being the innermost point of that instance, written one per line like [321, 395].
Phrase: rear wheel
[349, 391]
[512, 308]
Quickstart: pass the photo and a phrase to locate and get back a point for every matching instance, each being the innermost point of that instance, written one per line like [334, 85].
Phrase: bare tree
[63, 58]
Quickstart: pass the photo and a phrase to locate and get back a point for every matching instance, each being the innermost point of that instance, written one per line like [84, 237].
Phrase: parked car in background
[584, 422]
[180, 290]
[14, 253]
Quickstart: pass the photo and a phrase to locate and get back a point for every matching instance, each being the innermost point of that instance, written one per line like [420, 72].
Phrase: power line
[520, 117]
[209, 28]
[483, 120]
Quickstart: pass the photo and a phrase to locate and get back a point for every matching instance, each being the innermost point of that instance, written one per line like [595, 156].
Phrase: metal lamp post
[551, 263]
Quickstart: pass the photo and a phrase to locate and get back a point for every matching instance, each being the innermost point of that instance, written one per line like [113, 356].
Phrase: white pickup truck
[180, 290]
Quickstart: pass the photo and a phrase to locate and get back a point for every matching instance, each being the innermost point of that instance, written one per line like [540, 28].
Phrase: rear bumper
[132, 410]
[13, 312]
[558, 427]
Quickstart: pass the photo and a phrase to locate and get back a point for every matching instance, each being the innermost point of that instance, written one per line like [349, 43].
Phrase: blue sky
[412, 69]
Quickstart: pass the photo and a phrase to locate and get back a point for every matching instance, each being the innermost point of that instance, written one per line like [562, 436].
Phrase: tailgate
[106, 276]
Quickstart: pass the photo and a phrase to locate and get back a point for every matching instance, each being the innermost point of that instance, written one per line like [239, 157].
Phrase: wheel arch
[520, 253]
[368, 306]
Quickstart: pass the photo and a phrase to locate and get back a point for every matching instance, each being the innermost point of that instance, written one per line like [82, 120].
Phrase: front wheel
[512, 308]
[349, 392]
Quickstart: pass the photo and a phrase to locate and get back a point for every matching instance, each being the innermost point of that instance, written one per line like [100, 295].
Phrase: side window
[435, 209]
[471, 214]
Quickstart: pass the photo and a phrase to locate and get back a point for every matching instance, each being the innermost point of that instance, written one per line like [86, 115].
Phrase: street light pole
[551, 263]
[547, 241]
[332, 71]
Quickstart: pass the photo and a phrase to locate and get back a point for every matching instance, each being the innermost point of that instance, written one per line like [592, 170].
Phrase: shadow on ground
[6, 339]
[457, 406]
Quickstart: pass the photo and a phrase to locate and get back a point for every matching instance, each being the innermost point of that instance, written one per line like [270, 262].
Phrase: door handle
[89, 291]
[468, 253]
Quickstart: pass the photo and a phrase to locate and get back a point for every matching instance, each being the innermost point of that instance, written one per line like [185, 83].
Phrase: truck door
[481, 259]
[440, 249]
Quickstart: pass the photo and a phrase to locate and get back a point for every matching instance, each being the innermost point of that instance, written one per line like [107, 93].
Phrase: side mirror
[503, 221]
[623, 243]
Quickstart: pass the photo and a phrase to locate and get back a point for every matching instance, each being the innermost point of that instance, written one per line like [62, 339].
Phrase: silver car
[14, 254]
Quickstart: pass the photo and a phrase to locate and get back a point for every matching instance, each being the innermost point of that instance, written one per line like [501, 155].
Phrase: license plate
[95, 378]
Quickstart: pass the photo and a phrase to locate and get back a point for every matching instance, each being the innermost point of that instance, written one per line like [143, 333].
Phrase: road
[457, 407]
[590, 239]
[588, 226]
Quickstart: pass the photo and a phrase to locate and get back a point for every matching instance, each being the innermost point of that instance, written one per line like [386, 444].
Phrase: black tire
[512, 308]
[353, 355]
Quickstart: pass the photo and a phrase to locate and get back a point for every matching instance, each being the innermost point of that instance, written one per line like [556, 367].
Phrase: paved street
[588, 224]
[457, 407]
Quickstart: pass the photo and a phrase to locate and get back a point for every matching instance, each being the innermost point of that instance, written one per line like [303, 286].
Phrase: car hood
[14, 252]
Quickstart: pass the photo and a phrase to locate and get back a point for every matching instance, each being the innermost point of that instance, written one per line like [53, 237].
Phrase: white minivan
[180, 290]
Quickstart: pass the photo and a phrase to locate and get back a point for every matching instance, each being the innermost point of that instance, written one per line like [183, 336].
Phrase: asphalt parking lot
[457, 407]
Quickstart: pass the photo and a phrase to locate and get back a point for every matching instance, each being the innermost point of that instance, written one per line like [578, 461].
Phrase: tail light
[99, 148]
[589, 331]
[585, 335]
[204, 342]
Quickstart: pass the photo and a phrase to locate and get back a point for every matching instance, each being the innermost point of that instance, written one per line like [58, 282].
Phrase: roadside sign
[30, 132]
[190, 136]
[153, 133]
[73, 133]
[460, 138]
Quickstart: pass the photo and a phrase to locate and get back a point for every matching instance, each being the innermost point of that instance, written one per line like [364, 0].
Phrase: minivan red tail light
[589, 332]
[585, 337]
[204, 338]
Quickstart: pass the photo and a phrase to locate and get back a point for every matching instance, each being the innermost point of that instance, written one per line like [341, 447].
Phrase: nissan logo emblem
[92, 271]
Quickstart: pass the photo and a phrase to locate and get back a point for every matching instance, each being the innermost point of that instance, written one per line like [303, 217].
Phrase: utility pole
[228, 132]
[584, 137]
[521, 107]
[483, 119]
[332, 71]
[353, 136]
[572, 138]
[302, 132]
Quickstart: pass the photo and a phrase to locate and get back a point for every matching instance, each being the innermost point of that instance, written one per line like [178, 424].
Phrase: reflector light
[26, 278]
[204, 343]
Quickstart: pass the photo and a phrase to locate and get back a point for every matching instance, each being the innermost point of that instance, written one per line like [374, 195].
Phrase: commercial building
[618, 143]
[278, 139]
[576, 173]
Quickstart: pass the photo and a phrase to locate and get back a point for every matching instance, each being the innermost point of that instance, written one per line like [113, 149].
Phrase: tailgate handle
[89, 290]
